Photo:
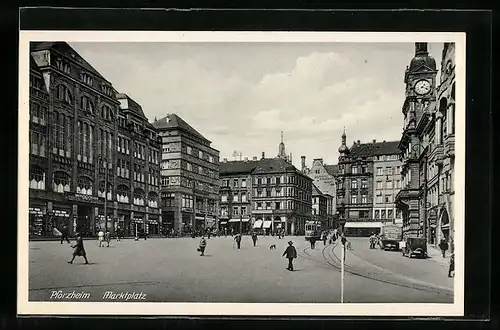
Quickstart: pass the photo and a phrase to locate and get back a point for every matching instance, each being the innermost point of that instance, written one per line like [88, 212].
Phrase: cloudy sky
[241, 95]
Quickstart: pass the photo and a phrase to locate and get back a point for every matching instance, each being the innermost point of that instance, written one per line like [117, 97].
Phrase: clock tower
[420, 80]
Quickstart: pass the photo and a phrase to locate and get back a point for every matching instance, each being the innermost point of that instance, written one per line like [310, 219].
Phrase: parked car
[415, 247]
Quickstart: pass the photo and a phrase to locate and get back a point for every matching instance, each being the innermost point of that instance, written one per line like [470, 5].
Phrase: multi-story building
[420, 80]
[319, 206]
[281, 195]
[138, 170]
[189, 176]
[236, 193]
[73, 168]
[324, 177]
[427, 146]
[387, 182]
[355, 185]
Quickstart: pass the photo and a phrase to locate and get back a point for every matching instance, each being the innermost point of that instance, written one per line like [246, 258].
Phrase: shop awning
[267, 224]
[362, 224]
[223, 222]
[257, 224]
[238, 220]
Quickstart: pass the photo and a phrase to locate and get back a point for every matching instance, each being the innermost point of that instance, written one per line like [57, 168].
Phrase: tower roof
[422, 58]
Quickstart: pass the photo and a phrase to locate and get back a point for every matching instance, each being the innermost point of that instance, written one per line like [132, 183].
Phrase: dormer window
[86, 104]
[86, 79]
[107, 89]
[63, 66]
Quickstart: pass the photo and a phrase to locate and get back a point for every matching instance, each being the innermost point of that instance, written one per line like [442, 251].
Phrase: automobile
[415, 247]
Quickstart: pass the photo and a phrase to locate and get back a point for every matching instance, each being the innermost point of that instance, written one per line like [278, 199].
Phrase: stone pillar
[438, 125]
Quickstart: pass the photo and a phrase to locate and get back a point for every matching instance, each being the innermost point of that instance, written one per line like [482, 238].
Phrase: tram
[313, 229]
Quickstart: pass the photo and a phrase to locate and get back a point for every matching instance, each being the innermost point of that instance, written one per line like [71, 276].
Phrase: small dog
[272, 247]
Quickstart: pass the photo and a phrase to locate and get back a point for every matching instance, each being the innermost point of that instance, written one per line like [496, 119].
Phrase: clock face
[422, 87]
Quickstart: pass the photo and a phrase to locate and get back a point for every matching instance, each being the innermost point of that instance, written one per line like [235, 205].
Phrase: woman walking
[203, 245]
[79, 250]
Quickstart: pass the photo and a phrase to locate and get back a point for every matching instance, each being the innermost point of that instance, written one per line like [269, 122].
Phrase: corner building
[74, 114]
[189, 176]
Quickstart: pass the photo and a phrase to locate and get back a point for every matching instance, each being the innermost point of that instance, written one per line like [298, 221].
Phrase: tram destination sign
[83, 198]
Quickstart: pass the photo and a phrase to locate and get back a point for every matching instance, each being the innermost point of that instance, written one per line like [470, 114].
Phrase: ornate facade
[74, 129]
[189, 176]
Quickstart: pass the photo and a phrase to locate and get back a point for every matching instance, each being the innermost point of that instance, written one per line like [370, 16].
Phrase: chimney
[254, 158]
[359, 142]
[303, 162]
[383, 141]
[421, 48]
[224, 160]
[374, 141]
[246, 159]
[263, 155]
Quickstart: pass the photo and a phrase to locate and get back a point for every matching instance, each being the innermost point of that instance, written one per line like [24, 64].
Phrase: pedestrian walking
[107, 237]
[79, 250]
[100, 236]
[64, 234]
[312, 240]
[325, 236]
[118, 233]
[237, 238]
[443, 245]
[209, 233]
[225, 232]
[290, 254]
[452, 265]
[254, 238]
[202, 246]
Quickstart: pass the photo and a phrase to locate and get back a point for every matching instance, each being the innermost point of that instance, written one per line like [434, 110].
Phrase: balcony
[449, 145]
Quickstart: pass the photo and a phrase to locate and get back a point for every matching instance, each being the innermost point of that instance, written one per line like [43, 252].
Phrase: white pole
[342, 274]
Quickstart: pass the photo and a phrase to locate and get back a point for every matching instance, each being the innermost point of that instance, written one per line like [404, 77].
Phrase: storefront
[39, 226]
[235, 224]
[137, 226]
[153, 226]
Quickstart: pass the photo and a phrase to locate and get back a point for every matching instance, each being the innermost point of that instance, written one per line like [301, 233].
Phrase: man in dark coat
[254, 238]
[452, 265]
[79, 250]
[290, 254]
[64, 234]
[312, 240]
[237, 238]
[443, 245]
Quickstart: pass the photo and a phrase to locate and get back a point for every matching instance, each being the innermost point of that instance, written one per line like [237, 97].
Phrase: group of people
[374, 240]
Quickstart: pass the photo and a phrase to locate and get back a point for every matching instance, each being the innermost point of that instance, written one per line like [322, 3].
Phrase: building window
[389, 214]
[139, 197]
[398, 214]
[354, 199]
[189, 167]
[84, 186]
[259, 206]
[37, 178]
[38, 113]
[377, 214]
[61, 182]
[223, 198]
[168, 199]
[200, 154]
[268, 205]
[243, 183]
[389, 184]
[380, 199]
[243, 210]
[37, 143]
[259, 181]
[86, 104]
[278, 192]
[380, 185]
[235, 197]
[364, 169]
[278, 205]
[382, 214]
[364, 199]
[389, 170]
[86, 79]
[243, 197]
[388, 198]
[380, 171]
[354, 169]
[189, 150]
[398, 170]
[63, 94]
[364, 183]
[354, 184]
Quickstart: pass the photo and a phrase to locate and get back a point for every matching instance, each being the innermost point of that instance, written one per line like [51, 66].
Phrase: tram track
[331, 260]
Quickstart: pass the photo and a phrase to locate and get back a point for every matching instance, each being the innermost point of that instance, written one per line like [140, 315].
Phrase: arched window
[122, 194]
[105, 187]
[138, 197]
[37, 177]
[61, 182]
[106, 112]
[443, 105]
[153, 199]
[86, 104]
[84, 185]
[64, 94]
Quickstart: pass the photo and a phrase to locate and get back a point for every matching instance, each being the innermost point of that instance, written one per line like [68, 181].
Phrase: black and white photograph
[241, 173]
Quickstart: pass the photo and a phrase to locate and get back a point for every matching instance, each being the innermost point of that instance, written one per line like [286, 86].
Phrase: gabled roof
[131, 105]
[67, 51]
[315, 190]
[332, 169]
[174, 121]
[237, 167]
[374, 149]
[273, 165]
